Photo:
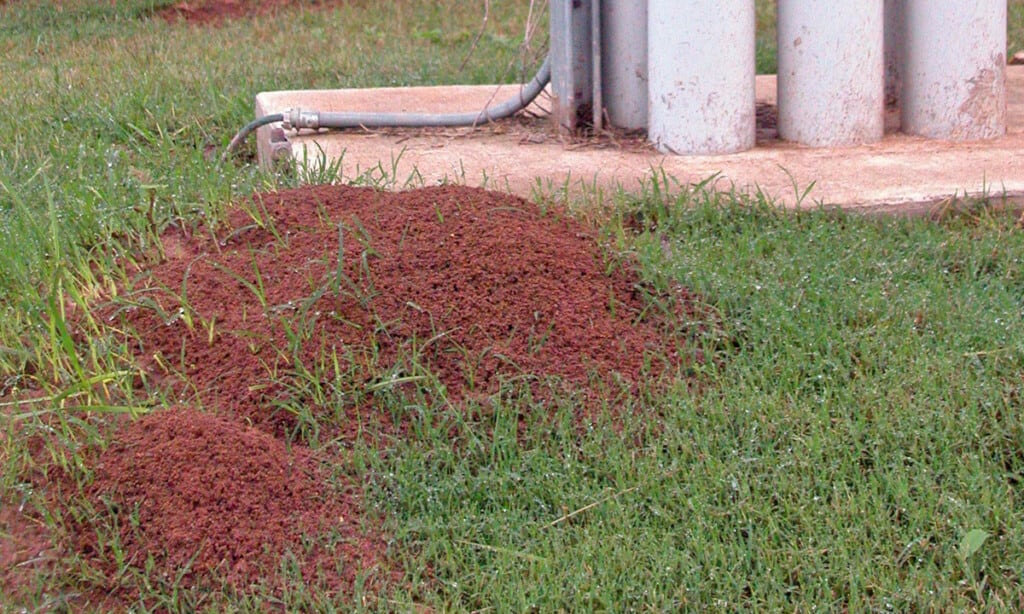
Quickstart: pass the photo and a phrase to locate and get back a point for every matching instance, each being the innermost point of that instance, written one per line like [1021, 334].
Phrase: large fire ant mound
[470, 287]
[205, 499]
[304, 300]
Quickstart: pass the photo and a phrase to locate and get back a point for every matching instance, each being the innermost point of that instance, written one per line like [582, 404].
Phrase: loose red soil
[215, 11]
[209, 500]
[475, 286]
[25, 547]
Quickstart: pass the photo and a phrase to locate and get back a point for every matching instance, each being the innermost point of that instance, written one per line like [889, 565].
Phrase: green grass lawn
[857, 444]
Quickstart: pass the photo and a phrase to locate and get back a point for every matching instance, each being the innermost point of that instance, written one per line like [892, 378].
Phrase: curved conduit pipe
[297, 119]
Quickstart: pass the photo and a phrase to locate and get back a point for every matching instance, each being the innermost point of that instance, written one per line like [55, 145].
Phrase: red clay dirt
[216, 11]
[474, 287]
[208, 497]
[25, 546]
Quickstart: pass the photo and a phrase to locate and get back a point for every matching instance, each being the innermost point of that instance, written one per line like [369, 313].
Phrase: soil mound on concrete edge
[209, 500]
[475, 287]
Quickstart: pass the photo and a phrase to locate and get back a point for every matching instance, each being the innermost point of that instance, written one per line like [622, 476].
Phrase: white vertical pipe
[624, 62]
[831, 72]
[701, 75]
[954, 82]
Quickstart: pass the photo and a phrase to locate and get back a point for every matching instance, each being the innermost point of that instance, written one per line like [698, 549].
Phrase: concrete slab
[901, 173]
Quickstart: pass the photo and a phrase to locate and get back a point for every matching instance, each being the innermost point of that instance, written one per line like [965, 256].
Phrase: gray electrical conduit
[298, 119]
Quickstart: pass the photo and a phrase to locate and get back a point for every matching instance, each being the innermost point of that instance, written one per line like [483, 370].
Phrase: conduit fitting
[297, 119]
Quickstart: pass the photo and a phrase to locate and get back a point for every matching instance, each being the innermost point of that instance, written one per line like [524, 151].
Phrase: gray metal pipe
[297, 119]
[624, 65]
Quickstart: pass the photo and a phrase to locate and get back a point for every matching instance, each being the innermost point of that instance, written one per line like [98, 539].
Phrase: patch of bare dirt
[215, 11]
